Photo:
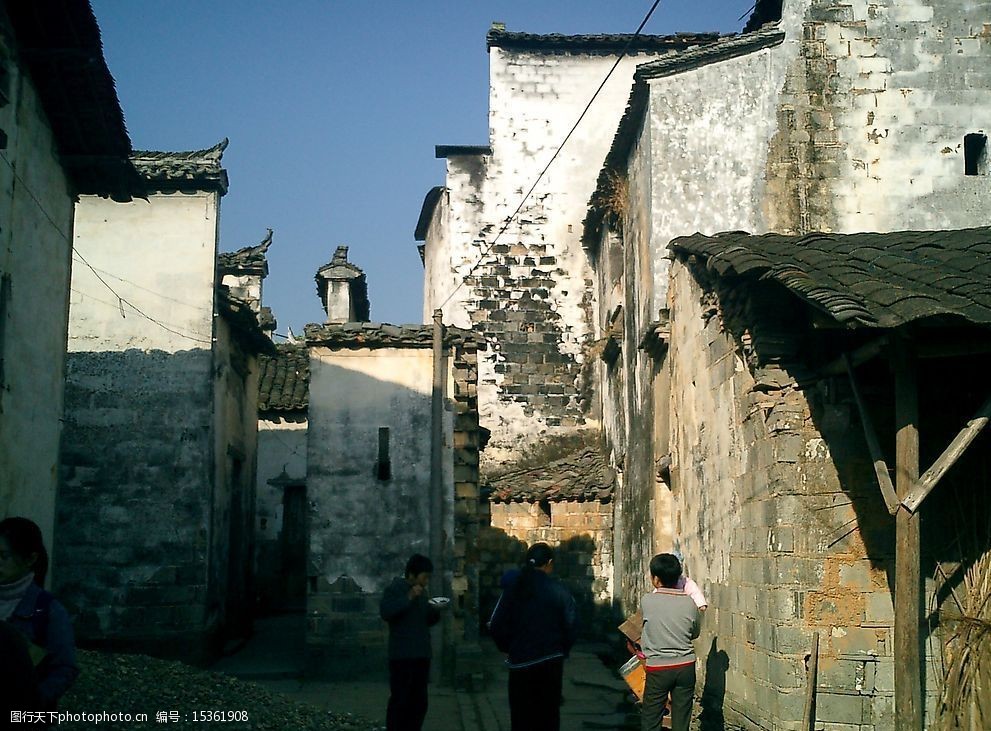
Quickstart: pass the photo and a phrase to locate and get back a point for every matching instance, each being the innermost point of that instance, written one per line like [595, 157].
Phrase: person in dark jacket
[535, 623]
[409, 614]
[34, 613]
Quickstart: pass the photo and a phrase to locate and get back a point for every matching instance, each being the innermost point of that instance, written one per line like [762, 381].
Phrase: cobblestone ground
[135, 692]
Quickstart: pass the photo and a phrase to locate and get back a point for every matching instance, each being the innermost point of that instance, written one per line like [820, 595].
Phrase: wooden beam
[908, 582]
[811, 681]
[860, 355]
[873, 444]
[948, 458]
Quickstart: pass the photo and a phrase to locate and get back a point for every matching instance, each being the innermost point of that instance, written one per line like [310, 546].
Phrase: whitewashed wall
[35, 248]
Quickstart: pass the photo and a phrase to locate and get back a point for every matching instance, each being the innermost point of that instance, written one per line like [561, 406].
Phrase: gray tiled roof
[250, 259]
[284, 379]
[60, 47]
[607, 43]
[190, 170]
[243, 321]
[357, 335]
[583, 475]
[865, 279]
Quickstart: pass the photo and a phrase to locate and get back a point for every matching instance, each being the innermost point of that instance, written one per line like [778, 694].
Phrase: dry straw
[965, 698]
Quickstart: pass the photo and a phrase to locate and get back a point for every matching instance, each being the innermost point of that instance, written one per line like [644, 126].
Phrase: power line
[114, 305]
[138, 286]
[122, 301]
[557, 152]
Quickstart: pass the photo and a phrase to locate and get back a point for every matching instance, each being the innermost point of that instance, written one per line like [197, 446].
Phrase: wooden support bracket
[948, 458]
[861, 355]
[873, 444]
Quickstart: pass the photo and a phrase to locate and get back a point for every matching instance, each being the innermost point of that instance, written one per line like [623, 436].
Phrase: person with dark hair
[25, 607]
[535, 623]
[670, 623]
[405, 607]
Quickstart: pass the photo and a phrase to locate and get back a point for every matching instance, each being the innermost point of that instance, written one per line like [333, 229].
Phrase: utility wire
[121, 301]
[557, 152]
[138, 286]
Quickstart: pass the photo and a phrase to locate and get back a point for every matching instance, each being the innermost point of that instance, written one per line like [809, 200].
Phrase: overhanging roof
[601, 43]
[879, 280]
[59, 43]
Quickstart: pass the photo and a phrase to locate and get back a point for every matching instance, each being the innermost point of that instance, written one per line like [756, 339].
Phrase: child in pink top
[690, 587]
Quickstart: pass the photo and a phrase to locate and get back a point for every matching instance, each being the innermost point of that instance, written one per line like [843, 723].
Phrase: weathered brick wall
[873, 114]
[465, 577]
[580, 532]
[531, 295]
[779, 517]
[134, 510]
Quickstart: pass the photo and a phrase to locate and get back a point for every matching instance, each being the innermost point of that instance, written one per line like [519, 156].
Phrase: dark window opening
[383, 466]
[544, 517]
[975, 154]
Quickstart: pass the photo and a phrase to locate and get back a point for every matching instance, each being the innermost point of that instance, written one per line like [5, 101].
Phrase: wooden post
[811, 681]
[908, 583]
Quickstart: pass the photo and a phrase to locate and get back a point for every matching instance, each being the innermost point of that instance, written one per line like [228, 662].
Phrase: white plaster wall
[247, 287]
[159, 255]
[707, 169]
[35, 248]
[916, 77]
[533, 102]
[360, 526]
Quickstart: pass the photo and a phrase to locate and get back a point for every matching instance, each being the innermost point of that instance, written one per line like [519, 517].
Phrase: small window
[544, 515]
[975, 155]
[383, 466]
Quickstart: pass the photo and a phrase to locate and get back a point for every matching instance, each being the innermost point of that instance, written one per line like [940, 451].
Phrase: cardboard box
[633, 627]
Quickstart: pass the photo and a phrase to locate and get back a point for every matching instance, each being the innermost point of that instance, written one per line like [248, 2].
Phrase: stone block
[840, 708]
[880, 608]
[786, 672]
[791, 640]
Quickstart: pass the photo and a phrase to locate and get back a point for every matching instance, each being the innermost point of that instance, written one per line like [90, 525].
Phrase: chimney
[342, 289]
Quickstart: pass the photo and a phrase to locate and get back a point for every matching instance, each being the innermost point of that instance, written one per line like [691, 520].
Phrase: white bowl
[439, 602]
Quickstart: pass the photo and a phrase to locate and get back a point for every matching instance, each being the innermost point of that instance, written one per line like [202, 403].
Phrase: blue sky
[333, 109]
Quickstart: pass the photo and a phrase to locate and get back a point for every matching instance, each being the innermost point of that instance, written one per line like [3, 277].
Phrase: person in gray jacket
[670, 623]
[405, 607]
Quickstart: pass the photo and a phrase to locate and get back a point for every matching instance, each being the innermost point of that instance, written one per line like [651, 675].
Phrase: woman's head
[539, 556]
[22, 551]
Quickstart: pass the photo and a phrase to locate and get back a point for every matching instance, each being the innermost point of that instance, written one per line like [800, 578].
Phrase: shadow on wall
[573, 561]
[714, 690]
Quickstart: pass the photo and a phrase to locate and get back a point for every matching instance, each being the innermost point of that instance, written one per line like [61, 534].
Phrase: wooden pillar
[908, 583]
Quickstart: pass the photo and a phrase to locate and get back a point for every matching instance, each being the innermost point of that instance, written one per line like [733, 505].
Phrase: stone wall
[138, 468]
[778, 514]
[364, 525]
[873, 114]
[35, 263]
[580, 532]
[232, 546]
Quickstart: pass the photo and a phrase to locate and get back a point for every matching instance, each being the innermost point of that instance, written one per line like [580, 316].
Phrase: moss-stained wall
[778, 514]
